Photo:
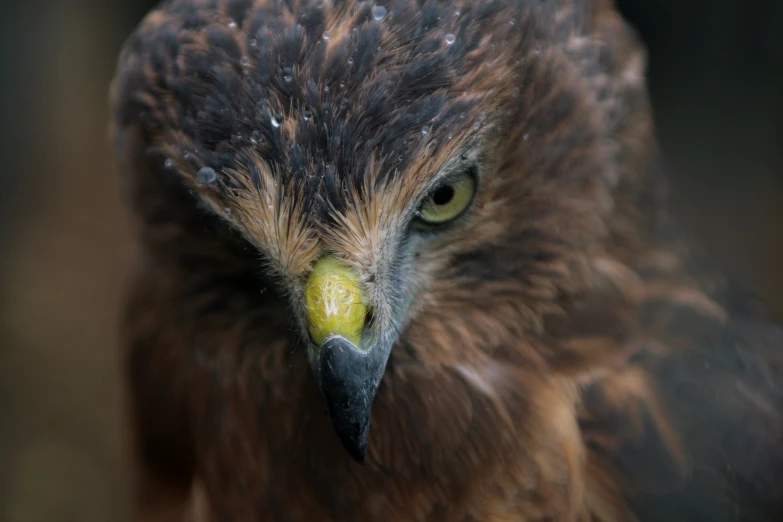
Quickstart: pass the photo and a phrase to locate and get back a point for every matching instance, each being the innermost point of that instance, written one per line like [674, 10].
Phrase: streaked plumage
[559, 353]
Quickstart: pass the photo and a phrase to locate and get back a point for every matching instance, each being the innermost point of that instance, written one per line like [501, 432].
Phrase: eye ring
[449, 200]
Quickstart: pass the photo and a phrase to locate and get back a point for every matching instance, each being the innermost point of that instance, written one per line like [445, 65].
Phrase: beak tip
[356, 449]
[352, 426]
[348, 384]
[361, 458]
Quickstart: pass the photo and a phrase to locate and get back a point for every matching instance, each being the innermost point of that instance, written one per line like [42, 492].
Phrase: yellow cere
[335, 301]
[448, 201]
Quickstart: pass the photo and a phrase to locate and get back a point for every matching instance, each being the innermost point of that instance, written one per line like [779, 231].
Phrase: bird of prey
[412, 261]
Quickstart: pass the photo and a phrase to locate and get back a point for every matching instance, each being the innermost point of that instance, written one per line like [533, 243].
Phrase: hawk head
[428, 183]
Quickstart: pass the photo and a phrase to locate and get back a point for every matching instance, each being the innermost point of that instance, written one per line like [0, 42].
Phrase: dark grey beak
[349, 378]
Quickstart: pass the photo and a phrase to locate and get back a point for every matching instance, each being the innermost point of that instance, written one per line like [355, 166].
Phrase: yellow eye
[448, 201]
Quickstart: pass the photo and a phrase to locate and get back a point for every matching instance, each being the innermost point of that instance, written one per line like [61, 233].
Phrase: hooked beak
[347, 367]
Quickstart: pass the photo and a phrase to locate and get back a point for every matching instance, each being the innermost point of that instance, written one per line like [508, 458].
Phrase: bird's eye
[448, 201]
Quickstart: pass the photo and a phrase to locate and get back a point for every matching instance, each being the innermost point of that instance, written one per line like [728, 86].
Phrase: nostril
[369, 319]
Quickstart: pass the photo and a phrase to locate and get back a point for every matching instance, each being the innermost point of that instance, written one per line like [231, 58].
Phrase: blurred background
[716, 76]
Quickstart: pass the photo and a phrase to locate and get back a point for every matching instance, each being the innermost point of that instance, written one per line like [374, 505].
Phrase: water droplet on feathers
[206, 176]
[378, 12]
[450, 39]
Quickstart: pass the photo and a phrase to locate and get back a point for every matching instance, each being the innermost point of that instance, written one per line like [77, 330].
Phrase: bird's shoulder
[693, 422]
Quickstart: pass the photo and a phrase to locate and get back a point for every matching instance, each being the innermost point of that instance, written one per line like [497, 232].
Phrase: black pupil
[443, 195]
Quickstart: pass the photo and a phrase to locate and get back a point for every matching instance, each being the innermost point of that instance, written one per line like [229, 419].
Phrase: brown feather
[566, 356]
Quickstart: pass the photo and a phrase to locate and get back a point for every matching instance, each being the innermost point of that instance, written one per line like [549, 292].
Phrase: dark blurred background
[716, 76]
